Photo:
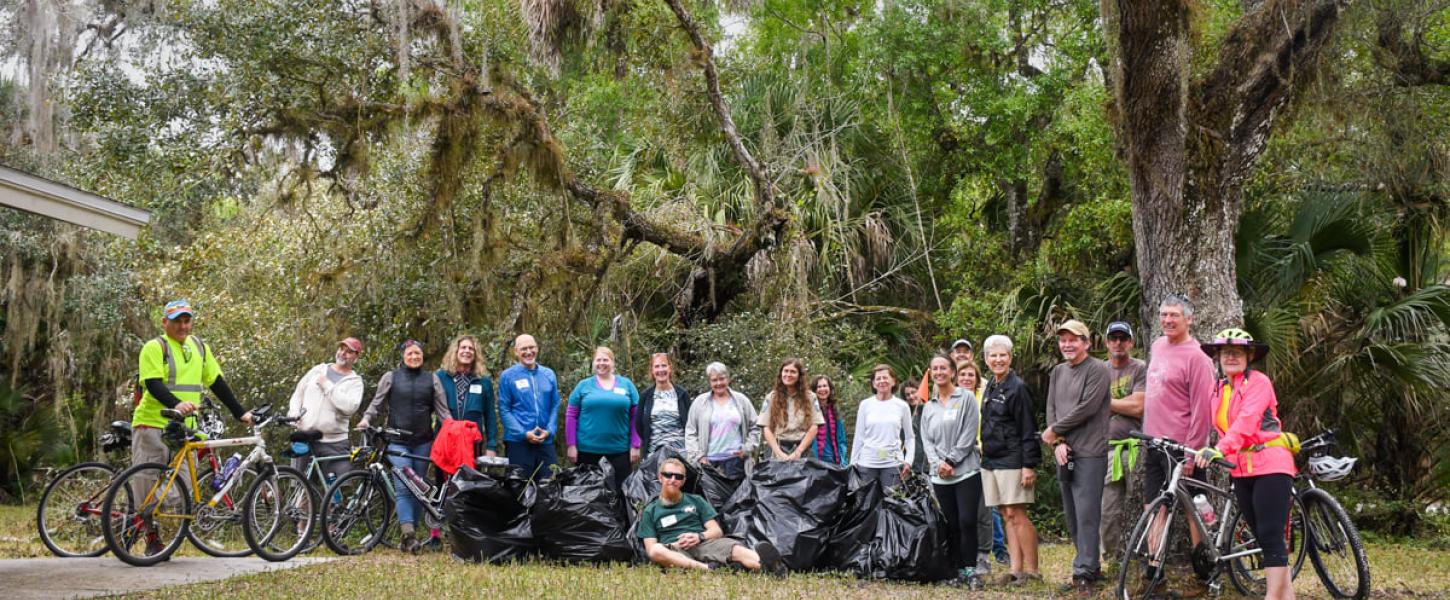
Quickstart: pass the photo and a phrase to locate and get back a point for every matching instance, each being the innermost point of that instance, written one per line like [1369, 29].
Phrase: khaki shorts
[1004, 487]
[717, 550]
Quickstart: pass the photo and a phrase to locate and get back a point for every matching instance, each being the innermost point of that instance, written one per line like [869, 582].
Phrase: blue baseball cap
[176, 308]
[1120, 327]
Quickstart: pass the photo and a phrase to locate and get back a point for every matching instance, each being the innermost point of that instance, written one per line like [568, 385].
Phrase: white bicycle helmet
[1330, 468]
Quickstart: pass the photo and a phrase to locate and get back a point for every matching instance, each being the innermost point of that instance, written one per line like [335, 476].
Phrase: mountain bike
[361, 515]
[151, 507]
[1334, 544]
[1146, 569]
[68, 518]
[316, 476]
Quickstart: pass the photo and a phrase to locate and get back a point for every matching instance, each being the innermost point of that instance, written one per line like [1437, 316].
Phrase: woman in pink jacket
[1251, 435]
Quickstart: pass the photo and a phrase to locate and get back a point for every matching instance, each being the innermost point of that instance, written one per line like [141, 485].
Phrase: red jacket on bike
[453, 448]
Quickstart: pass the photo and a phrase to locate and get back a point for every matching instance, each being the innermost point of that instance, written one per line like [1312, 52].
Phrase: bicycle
[164, 513]
[69, 515]
[315, 475]
[1335, 548]
[366, 496]
[68, 518]
[1145, 565]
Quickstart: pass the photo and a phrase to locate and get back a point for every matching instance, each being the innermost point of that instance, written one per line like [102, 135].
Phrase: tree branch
[1406, 59]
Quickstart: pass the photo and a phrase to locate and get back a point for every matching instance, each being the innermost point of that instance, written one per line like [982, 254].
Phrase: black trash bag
[794, 505]
[856, 526]
[488, 516]
[902, 537]
[577, 516]
[718, 488]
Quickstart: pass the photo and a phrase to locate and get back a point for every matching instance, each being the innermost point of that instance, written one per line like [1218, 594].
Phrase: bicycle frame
[189, 455]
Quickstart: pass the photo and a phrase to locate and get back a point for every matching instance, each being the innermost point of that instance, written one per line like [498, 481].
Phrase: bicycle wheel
[1335, 547]
[1247, 572]
[356, 512]
[217, 530]
[1138, 577]
[145, 517]
[280, 512]
[69, 515]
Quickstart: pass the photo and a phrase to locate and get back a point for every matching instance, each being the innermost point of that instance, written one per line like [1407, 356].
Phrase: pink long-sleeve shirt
[1252, 418]
[1178, 403]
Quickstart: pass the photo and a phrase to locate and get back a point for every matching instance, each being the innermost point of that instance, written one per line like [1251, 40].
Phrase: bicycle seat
[306, 436]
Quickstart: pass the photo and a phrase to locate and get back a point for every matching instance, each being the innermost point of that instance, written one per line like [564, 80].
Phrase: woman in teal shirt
[599, 422]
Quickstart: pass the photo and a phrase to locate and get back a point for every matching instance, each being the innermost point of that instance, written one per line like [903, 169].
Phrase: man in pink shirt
[1178, 403]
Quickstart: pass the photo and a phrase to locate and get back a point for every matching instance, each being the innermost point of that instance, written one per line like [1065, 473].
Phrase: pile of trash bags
[819, 517]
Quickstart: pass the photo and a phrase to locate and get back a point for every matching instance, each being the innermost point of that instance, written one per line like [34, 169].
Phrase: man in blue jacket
[528, 404]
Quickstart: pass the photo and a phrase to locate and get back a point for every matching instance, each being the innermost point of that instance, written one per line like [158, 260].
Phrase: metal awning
[64, 203]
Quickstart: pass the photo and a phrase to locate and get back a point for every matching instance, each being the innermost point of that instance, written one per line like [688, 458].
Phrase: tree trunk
[1190, 144]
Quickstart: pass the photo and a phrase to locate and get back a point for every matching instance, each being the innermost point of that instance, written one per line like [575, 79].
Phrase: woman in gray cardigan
[721, 428]
[949, 436]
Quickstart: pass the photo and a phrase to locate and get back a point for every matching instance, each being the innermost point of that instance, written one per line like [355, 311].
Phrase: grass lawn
[1398, 571]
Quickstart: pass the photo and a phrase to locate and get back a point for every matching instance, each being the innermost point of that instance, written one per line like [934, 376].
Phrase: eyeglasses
[674, 476]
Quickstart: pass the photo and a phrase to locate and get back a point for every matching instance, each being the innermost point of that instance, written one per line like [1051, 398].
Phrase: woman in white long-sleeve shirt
[884, 444]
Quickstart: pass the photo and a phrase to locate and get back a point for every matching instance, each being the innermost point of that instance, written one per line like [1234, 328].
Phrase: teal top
[604, 416]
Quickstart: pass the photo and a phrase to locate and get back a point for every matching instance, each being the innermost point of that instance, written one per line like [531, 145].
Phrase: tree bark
[1190, 144]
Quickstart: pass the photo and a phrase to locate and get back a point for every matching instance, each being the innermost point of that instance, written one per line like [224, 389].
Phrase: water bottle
[1205, 510]
[228, 469]
[336, 494]
[422, 486]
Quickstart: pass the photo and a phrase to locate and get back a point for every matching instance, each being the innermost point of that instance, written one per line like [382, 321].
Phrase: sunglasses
[674, 476]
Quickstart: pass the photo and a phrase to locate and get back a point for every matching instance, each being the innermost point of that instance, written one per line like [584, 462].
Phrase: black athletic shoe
[770, 561]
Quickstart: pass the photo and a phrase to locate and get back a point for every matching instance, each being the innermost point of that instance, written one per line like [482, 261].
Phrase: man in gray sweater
[1077, 415]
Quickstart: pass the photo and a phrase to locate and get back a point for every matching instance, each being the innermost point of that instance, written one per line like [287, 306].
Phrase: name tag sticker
[476, 388]
[522, 384]
[619, 390]
[669, 520]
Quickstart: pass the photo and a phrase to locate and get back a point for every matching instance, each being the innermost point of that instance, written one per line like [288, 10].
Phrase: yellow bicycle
[150, 507]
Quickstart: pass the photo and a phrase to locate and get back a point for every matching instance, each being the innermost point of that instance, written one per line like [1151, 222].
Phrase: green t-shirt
[668, 523]
[192, 369]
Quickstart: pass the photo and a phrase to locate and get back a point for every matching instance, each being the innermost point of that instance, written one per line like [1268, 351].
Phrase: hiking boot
[408, 544]
[1080, 587]
[770, 560]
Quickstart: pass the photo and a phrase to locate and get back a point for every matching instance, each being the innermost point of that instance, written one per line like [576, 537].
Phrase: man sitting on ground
[679, 530]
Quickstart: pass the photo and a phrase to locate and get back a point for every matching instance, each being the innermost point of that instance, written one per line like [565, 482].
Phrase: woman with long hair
[790, 417]
[468, 389]
[831, 438]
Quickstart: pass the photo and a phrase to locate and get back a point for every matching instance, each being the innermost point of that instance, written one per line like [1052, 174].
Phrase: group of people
[975, 437]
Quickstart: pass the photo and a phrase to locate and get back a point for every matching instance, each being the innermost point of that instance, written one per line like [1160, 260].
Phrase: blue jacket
[528, 399]
[477, 406]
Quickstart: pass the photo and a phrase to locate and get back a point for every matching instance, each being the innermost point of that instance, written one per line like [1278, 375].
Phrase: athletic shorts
[1156, 469]
[1004, 487]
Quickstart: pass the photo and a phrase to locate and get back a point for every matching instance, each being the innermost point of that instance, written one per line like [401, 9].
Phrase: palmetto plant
[1360, 331]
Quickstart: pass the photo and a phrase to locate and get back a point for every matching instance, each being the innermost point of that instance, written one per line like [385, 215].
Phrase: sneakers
[1080, 586]
[1007, 579]
[770, 560]
[408, 544]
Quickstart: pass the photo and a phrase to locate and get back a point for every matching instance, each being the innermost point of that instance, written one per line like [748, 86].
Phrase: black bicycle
[1146, 570]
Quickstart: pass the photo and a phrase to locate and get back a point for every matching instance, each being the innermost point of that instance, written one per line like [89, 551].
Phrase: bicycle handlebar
[1169, 445]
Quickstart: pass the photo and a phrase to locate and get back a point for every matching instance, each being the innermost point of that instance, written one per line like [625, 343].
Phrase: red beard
[670, 496]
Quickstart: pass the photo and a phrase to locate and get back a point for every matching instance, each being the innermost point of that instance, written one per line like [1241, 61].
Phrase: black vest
[410, 404]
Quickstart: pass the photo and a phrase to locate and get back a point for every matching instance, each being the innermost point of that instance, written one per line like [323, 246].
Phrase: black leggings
[618, 460]
[959, 503]
[1265, 501]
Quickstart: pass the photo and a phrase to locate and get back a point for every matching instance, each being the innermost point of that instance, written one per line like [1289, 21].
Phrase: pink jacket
[1252, 418]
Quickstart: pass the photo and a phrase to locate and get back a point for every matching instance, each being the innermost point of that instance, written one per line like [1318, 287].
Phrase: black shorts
[1156, 468]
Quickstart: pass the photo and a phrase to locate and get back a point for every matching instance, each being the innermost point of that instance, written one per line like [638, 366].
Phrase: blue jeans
[407, 504]
[999, 537]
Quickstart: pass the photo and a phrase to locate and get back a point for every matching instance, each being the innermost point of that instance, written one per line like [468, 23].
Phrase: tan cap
[1075, 327]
